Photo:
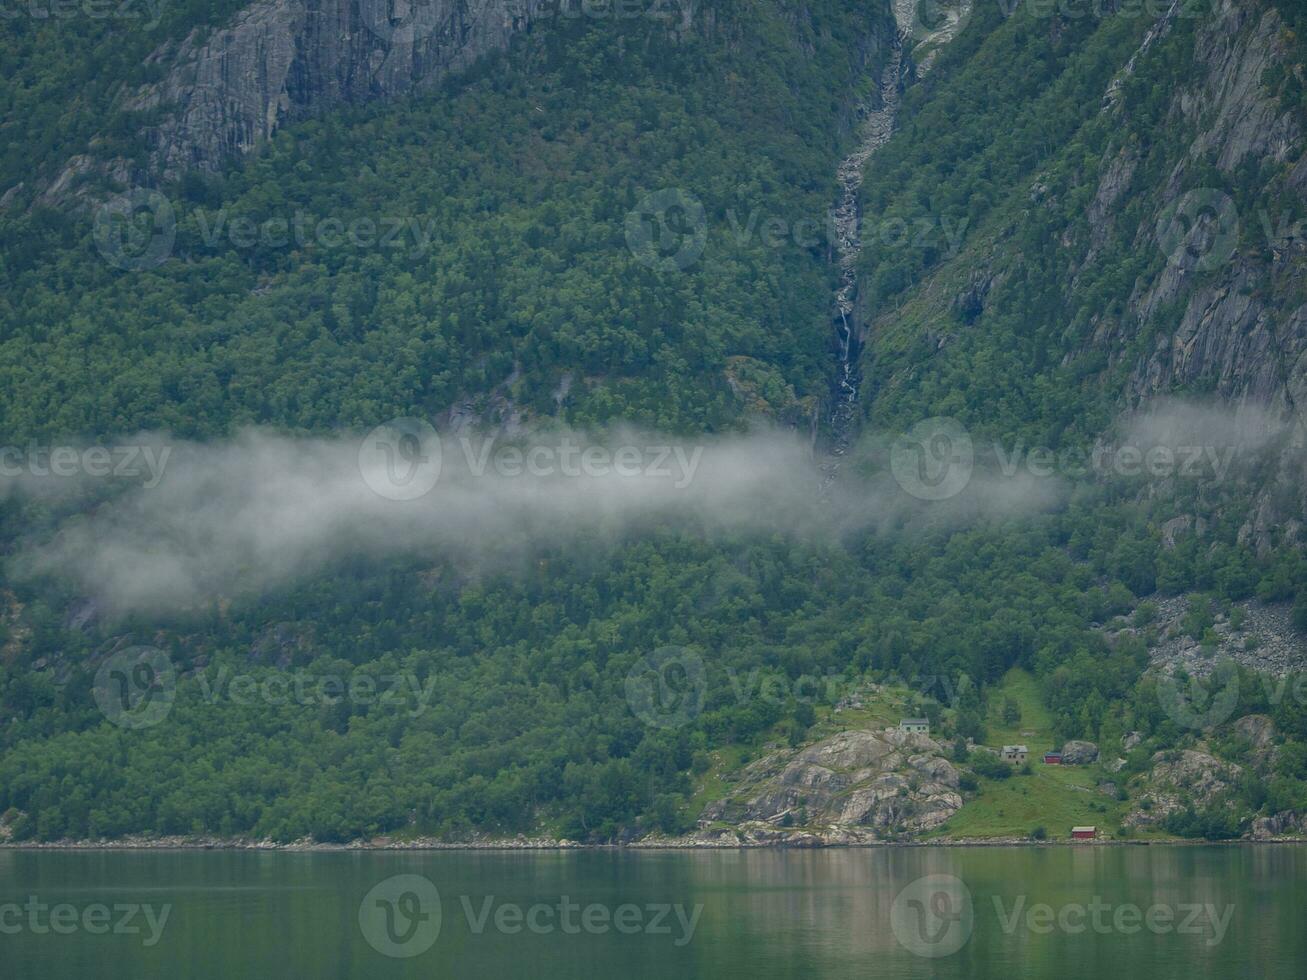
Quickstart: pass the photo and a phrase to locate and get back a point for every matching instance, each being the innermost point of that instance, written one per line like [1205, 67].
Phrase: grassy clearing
[1056, 798]
[1035, 729]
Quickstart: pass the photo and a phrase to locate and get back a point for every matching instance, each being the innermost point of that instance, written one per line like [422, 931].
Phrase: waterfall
[875, 130]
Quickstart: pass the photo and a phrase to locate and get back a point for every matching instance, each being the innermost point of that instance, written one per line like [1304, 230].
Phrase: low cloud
[262, 511]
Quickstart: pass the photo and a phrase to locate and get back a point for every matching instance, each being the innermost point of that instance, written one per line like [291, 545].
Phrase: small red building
[1052, 758]
[1084, 833]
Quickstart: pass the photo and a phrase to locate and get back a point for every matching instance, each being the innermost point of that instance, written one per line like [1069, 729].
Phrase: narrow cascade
[875, 131]
[877, 127]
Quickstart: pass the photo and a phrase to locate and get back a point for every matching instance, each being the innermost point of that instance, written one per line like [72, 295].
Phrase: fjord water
[765, 914]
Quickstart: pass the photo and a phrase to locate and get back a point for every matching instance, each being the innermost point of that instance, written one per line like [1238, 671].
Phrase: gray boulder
[1076, 753]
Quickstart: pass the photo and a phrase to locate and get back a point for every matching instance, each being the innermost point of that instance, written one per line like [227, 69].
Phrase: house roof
[1015, 748]
[914, 721]
[1084, 830]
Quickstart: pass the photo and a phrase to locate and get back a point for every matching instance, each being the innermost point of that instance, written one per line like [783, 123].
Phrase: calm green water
[1093, 912]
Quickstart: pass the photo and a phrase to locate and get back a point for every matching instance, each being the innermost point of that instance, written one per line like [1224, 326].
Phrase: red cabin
[1052, 758]
[1084, 833]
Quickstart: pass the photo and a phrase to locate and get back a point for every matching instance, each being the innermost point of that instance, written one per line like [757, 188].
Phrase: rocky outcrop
[1234, 271]
[281, 60]
[1263, 640]
[1286, 824]
[225, 92]
[1176, 780]
[1218, 308]
[868, 784]
[1076, 753]
[1259, 731]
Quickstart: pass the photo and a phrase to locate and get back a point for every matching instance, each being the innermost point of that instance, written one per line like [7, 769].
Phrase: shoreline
[546, 844]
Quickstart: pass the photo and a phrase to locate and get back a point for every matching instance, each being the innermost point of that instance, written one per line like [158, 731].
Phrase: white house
[915, 726]
[1015, 753]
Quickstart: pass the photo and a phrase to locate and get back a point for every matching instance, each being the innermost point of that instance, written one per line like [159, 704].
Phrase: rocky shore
[726, 840]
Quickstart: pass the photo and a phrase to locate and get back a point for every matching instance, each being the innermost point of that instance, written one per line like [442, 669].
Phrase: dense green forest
[511, 280]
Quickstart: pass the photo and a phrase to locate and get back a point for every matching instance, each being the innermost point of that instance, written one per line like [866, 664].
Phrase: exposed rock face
[1258, 729]
[281, 60]
[1240, 333]
[1076, 753]
[278, 61]
[1265, 641]
[889, 782]
[1286, 824]
[1178, 779]
[1224, 311]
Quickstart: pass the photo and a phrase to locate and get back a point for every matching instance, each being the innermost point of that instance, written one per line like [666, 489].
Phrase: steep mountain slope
[1149, 243]
[494, 255]
[524, 219]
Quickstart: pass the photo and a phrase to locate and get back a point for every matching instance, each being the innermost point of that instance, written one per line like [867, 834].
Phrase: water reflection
[1065, 912]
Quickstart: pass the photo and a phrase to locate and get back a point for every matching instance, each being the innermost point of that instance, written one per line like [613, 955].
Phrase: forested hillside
[615, 221]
